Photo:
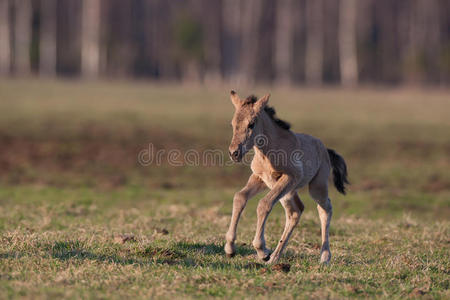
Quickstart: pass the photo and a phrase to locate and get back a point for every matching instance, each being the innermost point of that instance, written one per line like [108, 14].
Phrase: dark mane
[270, 112]
[250, 99]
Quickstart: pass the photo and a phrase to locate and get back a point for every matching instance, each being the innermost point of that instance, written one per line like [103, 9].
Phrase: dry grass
[79, 218]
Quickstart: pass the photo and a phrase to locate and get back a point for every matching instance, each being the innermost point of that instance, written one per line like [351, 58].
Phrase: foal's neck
[273, 135]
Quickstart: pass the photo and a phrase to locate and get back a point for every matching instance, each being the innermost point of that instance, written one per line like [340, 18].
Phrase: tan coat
[284, 161]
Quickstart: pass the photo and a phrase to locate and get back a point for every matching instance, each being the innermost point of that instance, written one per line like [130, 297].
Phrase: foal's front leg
[253, 187]
[282, 187]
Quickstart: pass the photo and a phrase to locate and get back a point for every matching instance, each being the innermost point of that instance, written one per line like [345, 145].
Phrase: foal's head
[245, 124]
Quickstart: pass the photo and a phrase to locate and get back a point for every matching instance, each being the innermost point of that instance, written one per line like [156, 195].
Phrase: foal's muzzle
[236, 155]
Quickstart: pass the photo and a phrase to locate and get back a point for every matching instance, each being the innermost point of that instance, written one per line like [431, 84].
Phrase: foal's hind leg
[253, 186]
[318, 189]
[293, 208]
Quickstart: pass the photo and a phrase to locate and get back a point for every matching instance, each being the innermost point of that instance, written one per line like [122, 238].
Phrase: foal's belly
[271, 178]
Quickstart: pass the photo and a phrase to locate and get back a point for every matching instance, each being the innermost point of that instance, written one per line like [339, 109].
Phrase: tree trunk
[284, 41]
[47, 39]
[314, 42]
[5, 39]
[347, 43]
[22, 37]
[162, 41]
[428, 38]
[251, 16]
[90, 38]
[212, 27]
[231, 11]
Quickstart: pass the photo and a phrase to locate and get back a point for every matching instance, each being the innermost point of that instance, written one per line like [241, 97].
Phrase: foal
[284, 161]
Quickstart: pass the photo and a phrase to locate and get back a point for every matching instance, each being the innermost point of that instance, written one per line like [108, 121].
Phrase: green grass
[71, 187]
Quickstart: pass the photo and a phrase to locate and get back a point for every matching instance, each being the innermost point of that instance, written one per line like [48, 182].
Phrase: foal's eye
[251, 125]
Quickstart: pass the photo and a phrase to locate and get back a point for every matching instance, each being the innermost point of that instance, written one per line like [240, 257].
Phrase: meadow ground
[80, 217]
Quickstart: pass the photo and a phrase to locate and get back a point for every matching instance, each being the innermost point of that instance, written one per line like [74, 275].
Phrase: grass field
[81, 218]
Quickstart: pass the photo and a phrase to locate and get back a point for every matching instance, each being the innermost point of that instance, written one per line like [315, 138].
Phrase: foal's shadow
[182, 253]
[213, 249]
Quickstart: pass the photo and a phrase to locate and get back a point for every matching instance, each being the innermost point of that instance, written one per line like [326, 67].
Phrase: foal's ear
[261, 103]
[235, 99]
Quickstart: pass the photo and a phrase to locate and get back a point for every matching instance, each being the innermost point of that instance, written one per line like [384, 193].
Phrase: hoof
[230, 249]
[325, 257]
[267, 258]
[263, 254]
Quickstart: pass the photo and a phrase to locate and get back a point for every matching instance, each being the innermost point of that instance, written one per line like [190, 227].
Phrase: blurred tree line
[286, 42]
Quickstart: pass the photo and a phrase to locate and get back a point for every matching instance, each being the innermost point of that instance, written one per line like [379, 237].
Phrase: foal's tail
[339, 170]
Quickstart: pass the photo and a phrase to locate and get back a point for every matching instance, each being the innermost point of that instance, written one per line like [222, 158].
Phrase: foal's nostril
[235, 154]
